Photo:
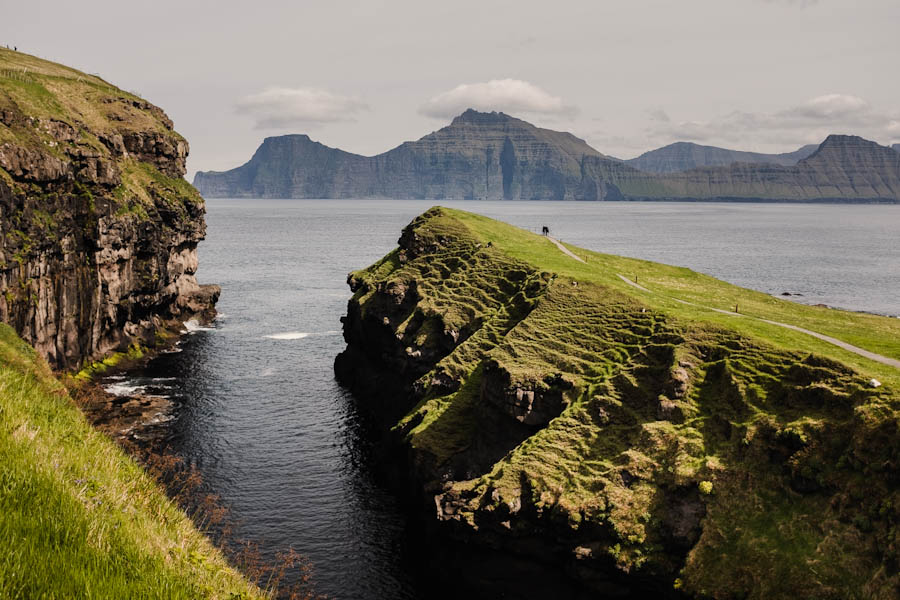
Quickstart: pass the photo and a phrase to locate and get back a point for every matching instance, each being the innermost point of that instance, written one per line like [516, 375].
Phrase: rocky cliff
[569, 422]
[843, 168]
[683, 156]
[488, 156]
[497, 157]
[98, 228]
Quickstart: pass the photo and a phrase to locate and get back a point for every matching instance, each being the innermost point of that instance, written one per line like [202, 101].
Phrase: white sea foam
[194, 325]
[288, 335]
[125, 388]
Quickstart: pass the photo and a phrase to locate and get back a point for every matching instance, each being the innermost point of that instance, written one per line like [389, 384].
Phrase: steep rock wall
[98, 229]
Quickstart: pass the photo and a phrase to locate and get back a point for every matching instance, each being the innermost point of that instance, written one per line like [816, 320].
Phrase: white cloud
[508, 95]
[829, 106]
[279, 108]
[808, 122]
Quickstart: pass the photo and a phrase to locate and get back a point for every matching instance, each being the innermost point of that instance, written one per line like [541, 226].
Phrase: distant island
[493, 156]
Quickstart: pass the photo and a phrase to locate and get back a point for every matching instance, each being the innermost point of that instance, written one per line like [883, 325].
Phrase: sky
[627, 76]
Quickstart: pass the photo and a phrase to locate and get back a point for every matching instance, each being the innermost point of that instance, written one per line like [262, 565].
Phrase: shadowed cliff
[98, 228]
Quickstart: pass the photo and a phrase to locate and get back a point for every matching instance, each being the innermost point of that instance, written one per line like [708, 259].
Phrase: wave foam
[288, 335]
[193, 325]
[124, 389]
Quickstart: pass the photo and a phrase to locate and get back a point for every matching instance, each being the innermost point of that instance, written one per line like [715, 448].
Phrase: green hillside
[636, 431]
[79, 518]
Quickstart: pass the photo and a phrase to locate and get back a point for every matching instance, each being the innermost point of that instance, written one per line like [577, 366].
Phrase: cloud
[280, 108]
[807, 122]
[508, 95]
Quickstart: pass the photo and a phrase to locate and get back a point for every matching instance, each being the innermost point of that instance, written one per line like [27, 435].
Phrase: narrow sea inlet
[256, 406]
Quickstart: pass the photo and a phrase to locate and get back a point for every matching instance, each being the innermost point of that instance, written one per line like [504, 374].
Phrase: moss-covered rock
[623, 437]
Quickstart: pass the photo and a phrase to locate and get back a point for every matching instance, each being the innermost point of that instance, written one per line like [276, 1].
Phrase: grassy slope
[870, 332]
[44, 90]
[771, 433]
[78, 518]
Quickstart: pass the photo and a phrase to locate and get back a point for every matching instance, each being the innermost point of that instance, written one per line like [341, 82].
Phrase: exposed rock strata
[494, 156]
[99, 231]
[479, 156]
[684, 156]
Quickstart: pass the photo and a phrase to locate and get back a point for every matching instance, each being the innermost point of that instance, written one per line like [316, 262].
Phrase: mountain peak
[839, 138]
[847, 146]
[482, 118]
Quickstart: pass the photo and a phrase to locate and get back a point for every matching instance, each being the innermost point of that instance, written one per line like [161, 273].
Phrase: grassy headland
[713, 453]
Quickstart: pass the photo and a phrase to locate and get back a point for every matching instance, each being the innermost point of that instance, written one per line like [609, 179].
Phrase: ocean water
[258, 411]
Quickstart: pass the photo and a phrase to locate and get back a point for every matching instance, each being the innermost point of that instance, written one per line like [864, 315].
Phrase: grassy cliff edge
[650, 437]
[78, 517]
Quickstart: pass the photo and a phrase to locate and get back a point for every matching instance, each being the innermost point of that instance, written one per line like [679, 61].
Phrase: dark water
[262, 417]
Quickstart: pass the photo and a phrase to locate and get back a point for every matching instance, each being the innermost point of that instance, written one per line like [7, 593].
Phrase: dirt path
[886, 360]
[635, 284]
[565, 250]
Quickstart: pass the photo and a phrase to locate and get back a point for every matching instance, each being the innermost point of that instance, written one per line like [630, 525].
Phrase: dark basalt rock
[98, 230]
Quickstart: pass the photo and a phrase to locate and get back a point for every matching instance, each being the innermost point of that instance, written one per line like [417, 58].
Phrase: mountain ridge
[683, 156]
[494, 156]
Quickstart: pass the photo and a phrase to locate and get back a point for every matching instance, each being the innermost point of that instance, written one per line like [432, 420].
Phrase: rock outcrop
[98, 228]
[493, 156]
[583, 432]
[684, 156]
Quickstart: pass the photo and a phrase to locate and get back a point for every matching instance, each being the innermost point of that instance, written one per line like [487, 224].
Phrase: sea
[257, 409]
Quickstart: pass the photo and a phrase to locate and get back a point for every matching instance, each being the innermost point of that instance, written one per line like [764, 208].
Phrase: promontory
[635, 429]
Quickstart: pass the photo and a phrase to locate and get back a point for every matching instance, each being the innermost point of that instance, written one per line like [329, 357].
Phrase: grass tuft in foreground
[79, 518]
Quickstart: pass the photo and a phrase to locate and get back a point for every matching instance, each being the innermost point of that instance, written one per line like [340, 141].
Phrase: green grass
[653, 408]
[39, 93]
[871, 332]
[78, 518]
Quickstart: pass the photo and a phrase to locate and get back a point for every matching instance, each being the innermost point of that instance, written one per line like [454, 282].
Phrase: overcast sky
[627, 76]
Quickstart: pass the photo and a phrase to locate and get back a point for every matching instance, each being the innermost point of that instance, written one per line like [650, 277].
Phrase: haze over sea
[259, 412]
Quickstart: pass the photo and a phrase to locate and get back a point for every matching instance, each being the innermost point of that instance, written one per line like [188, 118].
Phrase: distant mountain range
[683, 156]
[497, 157]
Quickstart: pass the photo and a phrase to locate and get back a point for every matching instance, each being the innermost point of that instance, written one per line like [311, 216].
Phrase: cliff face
[547, 410]
[99, 230]
[683, 156]
[842, 168]
[478, 156]
[496, 157]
